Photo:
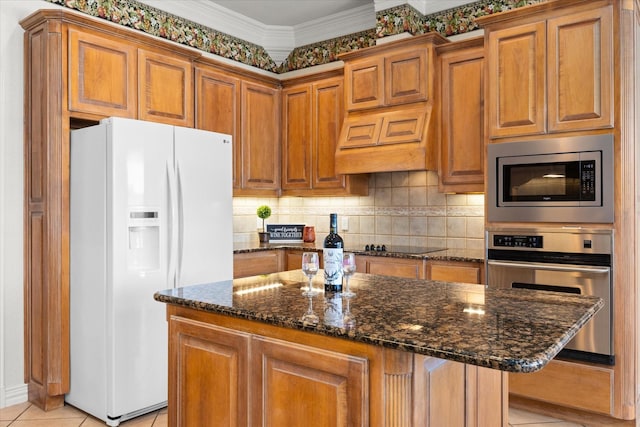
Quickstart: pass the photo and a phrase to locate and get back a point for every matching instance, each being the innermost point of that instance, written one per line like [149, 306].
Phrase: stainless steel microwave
[552, 180]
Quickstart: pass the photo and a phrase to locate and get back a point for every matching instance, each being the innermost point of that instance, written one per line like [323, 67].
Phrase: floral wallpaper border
[405, 18]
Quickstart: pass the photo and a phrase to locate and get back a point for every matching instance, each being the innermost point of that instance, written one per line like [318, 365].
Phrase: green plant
[263, 213]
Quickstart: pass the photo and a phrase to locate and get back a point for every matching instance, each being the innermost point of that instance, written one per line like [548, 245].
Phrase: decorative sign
[285, 232]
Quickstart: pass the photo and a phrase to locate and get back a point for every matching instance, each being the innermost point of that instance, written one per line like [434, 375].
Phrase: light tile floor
[518, 417]
[28, 415]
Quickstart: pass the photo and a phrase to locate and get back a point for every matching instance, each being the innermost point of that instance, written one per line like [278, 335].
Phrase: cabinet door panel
[391, 266]
[255, 263]
[104, 78]
[361, 131]
[516, 74]
[406, 77]
[455, 271]
[462, 145]
[328, 113]
[364, 83]
[403, 126]
[565, 383]
[260, 137]
[296, 137]
[294, 260]
[208, 374]
[218, 110]
[580, 69]
[165, 89]
[291, 382]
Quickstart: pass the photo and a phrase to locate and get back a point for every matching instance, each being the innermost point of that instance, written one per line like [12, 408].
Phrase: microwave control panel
[588, 180]
[513, 241]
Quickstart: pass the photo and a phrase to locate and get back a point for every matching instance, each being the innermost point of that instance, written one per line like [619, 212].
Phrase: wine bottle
[332, 257]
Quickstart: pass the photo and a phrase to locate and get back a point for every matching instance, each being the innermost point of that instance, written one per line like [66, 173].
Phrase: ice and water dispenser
[144, 240]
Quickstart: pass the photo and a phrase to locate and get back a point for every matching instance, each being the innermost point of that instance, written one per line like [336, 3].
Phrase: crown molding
[425, 7]
[216, 17]
[351, 21]
[277, 40]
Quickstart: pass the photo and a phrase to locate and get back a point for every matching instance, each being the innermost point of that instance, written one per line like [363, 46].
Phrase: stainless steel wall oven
[570, 260]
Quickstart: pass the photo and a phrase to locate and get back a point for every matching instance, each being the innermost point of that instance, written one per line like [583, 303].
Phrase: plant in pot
[263, 213]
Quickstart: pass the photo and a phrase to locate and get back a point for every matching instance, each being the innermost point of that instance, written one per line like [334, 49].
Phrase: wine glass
[348, 268]
[310, 265]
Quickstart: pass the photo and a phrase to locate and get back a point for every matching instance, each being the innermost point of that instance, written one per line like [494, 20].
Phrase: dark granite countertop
[518, 331]
[441, 254]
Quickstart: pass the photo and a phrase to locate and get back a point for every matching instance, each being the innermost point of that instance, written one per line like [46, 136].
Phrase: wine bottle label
[332, 269]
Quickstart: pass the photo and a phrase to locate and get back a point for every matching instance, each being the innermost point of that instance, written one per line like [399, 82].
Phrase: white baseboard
[13, 395]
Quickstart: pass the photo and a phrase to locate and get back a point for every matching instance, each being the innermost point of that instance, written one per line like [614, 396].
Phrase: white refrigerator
[151, 209]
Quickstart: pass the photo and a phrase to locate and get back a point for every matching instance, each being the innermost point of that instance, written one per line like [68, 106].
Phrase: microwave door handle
[550, 267]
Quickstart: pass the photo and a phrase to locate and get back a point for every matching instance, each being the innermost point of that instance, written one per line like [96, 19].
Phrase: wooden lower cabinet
[256, 263]
[293, 260]
[390, 266]
[225, 371]
[570, 384]
[290, 382]
[208, 376]
[455, 271]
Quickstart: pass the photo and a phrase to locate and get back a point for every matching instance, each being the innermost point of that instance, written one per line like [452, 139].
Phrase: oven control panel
[517, 241]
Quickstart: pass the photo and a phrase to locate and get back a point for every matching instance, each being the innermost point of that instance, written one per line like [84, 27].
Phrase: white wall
[12, 387]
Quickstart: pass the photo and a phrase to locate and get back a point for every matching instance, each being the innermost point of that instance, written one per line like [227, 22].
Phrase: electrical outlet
[345, 223]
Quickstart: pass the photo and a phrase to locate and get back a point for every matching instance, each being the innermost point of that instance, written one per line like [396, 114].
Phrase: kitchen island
[422, 353]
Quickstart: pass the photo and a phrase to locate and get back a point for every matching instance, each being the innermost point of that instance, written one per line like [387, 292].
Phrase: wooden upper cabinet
[555, 75]
[516, 74]
[461, 166]
[165, 88]
[328, 114]
[580, 69]
[364, 83]
[405, 76]
[103, 71]
[312, 116]
[296, 137]
[387, 79]
[218, 109]
[260, 141]
[388, 124]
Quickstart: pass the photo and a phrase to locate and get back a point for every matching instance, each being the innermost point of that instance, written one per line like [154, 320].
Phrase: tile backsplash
[402, 208]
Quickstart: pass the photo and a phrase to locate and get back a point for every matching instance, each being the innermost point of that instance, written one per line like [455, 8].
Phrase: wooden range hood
[390, 124]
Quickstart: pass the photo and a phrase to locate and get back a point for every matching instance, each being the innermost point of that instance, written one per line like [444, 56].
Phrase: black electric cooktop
[400, 249]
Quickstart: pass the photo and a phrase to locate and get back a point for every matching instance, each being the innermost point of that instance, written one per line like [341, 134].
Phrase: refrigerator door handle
[172, 228]
[180, 222]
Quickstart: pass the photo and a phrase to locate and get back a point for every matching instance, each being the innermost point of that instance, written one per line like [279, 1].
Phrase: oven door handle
[551, 267]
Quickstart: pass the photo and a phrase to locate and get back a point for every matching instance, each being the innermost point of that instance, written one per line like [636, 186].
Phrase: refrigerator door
[139, 162]
[205, 212]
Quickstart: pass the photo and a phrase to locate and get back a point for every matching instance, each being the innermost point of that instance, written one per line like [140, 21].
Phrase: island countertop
[513, 330]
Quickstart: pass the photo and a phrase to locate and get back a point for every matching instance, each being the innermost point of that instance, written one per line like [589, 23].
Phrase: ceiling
[279, 26]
